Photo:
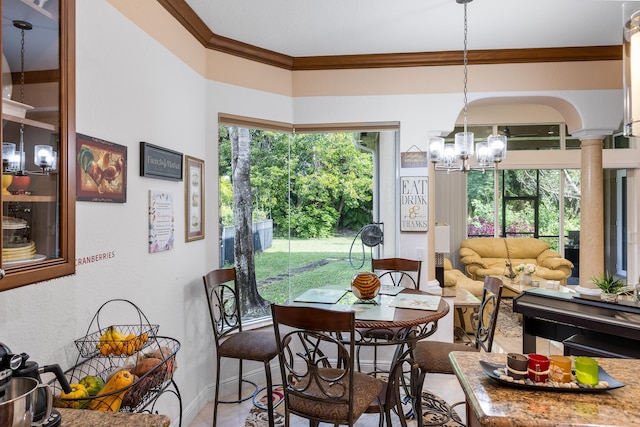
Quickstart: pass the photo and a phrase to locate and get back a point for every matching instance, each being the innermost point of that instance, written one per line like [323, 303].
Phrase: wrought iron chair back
[224, 305]
[487, 316]
[400, 271]
[315, 349]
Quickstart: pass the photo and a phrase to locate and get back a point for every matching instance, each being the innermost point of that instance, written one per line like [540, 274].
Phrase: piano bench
[581, 345]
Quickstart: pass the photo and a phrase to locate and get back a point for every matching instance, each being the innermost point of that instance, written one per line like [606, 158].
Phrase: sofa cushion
[525, 247]
[452, 277]
[488, 247]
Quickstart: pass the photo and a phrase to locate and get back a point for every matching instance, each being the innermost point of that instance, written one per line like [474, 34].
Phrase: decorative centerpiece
[610, 286]
[526, 271]
[508, 272]
[365, 285]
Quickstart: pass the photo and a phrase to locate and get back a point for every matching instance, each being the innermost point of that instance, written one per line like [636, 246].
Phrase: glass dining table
[410, 314]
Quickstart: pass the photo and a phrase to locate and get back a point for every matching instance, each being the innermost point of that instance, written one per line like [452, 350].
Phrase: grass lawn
[311, 262]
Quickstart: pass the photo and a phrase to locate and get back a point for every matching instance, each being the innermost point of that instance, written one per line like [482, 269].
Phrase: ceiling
[316, 28]
[301, 28]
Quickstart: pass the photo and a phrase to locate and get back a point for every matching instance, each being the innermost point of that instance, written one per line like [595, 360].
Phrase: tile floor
[445, 386]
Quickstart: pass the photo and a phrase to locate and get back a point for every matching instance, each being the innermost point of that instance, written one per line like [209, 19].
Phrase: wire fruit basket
[134, 347]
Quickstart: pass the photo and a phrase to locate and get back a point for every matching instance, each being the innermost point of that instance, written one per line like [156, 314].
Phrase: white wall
[131, 89]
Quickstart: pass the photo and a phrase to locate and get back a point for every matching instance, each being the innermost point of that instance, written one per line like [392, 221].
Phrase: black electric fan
[371, 235]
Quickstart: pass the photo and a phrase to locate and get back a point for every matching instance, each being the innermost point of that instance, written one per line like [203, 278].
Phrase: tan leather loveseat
[487, 256]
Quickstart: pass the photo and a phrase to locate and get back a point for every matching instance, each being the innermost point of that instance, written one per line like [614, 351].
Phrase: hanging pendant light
[14, 157]
[488, 153]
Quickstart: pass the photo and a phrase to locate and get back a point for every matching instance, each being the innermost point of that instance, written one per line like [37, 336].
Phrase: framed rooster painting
[101, 170]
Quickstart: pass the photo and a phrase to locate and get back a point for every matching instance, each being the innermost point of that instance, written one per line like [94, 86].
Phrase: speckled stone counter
[85, 417]
[490, 403]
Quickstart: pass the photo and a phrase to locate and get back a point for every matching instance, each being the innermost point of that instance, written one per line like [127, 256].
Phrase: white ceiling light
[488, 153]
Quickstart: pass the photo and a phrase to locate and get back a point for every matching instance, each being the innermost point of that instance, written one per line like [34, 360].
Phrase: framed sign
[161, 218]
[414, 203]
[101, 172]
[161, 163]
[194, 198]
[414, 159]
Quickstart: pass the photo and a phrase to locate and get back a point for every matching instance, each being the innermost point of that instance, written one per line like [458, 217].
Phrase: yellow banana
[116, 335]
[129, 345]
[105, 338]
[105, 349]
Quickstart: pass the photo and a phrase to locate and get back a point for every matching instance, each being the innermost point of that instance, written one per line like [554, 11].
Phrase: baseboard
[191, 411]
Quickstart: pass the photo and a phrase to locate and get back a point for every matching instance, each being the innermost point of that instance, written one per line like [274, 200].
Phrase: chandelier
[13, 158]
[488, 153]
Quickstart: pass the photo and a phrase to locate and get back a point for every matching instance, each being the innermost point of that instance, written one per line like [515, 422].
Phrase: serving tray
[489, 369]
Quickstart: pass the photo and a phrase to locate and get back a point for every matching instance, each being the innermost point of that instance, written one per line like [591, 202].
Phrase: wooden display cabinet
[38, 108]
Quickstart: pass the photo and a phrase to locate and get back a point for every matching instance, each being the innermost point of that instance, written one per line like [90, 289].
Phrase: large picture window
[310, 195]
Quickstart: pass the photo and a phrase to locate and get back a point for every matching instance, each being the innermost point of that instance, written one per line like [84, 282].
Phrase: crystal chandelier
[488, 153]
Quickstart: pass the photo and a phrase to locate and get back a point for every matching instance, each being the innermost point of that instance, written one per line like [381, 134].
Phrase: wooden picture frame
[101, 172]
[161, 163]
[193, 199]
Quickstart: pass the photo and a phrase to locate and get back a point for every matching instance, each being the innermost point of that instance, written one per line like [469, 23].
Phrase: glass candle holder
[586, 370]
[560, 368]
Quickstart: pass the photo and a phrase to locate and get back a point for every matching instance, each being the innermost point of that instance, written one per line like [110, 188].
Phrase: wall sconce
[631, 67]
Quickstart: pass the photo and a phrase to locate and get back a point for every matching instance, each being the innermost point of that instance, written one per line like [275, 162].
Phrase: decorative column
[591, 210]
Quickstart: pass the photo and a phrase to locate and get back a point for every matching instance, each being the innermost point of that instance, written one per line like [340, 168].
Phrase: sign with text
[414, 159]
[161, 163]
[414, 203]
[161, 221]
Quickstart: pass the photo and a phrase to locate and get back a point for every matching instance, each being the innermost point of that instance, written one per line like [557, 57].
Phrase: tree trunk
[250, 300]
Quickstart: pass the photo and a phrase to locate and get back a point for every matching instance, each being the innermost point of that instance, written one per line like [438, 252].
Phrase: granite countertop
[498, 405]
[85, 417]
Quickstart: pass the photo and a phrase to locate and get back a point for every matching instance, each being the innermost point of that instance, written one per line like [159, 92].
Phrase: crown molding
[183, 13]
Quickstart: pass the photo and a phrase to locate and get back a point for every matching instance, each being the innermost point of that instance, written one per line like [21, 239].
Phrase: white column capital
[583, 134]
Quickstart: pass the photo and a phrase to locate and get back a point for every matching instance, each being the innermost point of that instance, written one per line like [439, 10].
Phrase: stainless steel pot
[19, 401]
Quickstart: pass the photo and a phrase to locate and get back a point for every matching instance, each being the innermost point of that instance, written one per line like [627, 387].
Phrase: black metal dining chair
[398, 272]
[234, 343]
[321, 384]
[433, 356]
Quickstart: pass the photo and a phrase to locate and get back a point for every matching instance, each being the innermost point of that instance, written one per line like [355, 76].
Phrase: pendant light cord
[22, 155]
[22, 26]
[465, 61]
[22, 65]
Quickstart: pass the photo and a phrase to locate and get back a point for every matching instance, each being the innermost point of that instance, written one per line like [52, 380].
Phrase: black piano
[586, 325]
